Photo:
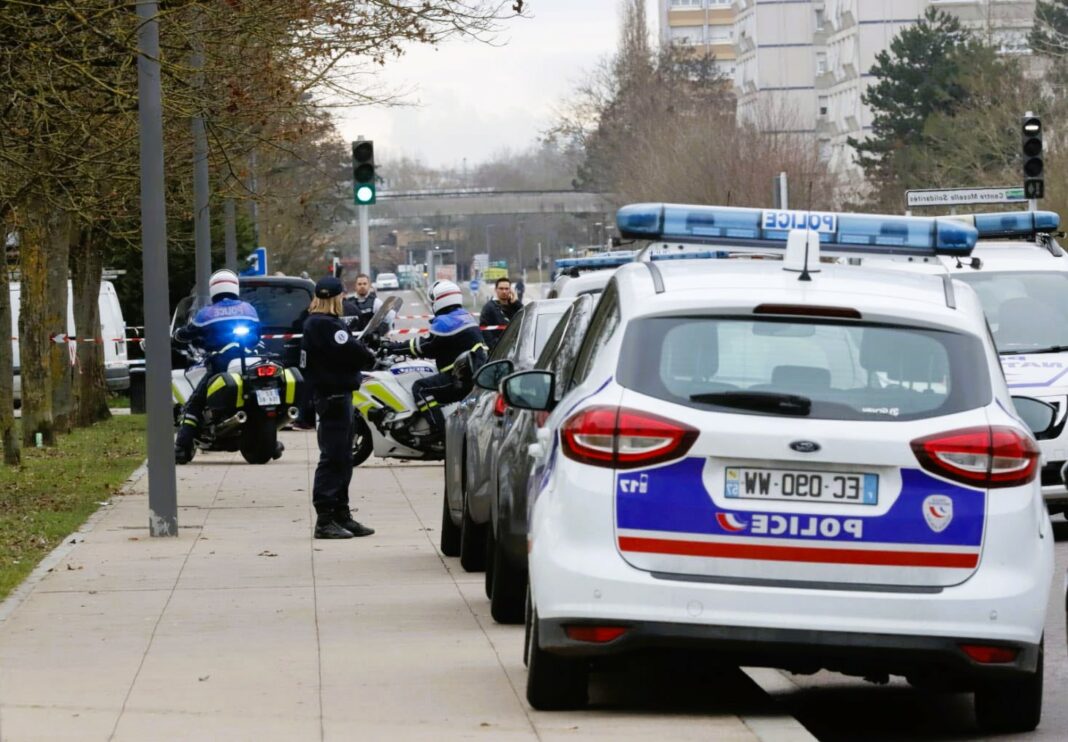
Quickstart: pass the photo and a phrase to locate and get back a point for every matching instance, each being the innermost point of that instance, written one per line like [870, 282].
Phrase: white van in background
[112, 330]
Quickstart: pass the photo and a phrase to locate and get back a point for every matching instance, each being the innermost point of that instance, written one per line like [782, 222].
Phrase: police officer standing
[331, 360]
[361, 306]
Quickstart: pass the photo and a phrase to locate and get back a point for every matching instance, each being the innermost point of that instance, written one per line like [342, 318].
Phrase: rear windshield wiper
[1035, 351]
[786, 404]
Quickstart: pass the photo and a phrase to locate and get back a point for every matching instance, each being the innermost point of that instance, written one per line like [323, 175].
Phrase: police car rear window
[278, 306]
[815, 369]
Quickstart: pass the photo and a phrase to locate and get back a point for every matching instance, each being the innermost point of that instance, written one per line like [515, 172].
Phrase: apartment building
[802, 66]
[704, 25]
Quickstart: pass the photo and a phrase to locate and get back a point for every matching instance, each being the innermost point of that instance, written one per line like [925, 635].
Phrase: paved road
[245, 628]
[835, 707]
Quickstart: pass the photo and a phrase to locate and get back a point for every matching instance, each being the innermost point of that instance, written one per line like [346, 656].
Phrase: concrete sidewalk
[244, 627]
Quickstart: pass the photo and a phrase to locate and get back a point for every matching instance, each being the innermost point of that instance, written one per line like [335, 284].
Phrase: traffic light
[363, 172]
[1033, 167]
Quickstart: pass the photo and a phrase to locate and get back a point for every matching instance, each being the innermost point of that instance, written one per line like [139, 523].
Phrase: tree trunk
[59, 239]
[34, 343]
[8, 433]
[90, 384]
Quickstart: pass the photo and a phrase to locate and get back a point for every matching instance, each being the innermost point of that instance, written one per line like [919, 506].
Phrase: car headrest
[1023, 321]
[801, 377]
[903, 356]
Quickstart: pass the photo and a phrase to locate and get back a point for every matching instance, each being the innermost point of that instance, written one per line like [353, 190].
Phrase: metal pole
[231, 234]
[365, 229]
[541, 278]
[365, 241]
[254, 205]
[162, 489]
[201, 186]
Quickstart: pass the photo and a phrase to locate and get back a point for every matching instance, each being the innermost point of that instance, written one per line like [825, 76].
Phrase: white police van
[789, 463]
[1021, 276]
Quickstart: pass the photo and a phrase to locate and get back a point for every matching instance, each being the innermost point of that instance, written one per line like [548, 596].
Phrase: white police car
[791, 464]
[1021, 276]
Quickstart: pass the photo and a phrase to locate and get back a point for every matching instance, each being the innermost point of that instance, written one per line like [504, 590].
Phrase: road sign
[474, 285]
[965, 196]
[257, 263]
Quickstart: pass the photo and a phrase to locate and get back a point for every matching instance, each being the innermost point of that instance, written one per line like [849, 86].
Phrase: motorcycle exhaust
[293, 413]
[231, 422]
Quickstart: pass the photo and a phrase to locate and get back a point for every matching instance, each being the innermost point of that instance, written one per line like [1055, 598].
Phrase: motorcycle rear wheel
[259, 442]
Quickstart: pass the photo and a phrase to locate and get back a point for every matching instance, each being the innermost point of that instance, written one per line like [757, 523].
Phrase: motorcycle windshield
[392, 304]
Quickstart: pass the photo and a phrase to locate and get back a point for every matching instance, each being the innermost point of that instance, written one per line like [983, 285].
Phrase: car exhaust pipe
[293, 413]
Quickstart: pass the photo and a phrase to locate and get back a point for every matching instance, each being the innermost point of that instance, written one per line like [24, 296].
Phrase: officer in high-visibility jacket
[453, 332]
[331, 359]
[223, 329]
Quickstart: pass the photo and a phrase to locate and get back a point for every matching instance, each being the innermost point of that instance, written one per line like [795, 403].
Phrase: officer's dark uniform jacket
[362, 309]
[450, 335]
[330, 357]
[495, 314]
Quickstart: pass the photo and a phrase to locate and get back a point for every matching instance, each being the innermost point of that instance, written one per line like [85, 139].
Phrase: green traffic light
[365, 195]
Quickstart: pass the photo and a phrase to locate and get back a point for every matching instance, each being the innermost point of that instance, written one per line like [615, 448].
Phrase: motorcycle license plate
[268, 397]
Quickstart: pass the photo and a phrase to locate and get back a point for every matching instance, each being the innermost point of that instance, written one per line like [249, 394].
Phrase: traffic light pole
[162, 488]
[365, 240]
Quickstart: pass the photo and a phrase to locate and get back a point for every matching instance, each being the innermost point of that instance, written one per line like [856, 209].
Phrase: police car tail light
[990, 457]
[621, 438]
[989, 655]
[594, 634]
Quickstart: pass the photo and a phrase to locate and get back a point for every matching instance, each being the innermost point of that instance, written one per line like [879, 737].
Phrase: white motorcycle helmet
[445, 294]
[223, 282]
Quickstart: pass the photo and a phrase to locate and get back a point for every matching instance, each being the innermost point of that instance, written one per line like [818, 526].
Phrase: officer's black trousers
[330, 492]
[194, 406]
[433, 393]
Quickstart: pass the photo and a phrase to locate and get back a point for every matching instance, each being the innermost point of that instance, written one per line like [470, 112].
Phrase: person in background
[499, 311]
[361, 307]
[520, 289]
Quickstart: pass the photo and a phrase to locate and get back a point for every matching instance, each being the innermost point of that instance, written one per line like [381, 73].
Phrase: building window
[719, 34]
[719, 3]
[821, 63]
[821, 18]
[687, 3]
[687, 35]
[823, 105]
[1011, 42]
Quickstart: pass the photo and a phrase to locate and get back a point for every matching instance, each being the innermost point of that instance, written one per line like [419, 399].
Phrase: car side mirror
[490, 376]
[1036, 414]
[529, 390]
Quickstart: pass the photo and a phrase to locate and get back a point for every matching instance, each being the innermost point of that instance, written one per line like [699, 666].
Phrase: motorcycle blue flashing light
[839, 232]
[1019, 224]
[241, 331]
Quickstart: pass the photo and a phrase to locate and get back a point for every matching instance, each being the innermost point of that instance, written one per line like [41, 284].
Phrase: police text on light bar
[770, 228]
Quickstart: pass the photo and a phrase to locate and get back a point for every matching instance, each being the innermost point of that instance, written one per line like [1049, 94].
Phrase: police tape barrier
[63, 338]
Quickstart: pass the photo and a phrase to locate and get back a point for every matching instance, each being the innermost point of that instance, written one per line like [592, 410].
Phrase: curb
[780, 727]
[19, 595]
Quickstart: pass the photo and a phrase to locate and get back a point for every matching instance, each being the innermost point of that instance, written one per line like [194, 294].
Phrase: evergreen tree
[1049, 35]
[921, 75]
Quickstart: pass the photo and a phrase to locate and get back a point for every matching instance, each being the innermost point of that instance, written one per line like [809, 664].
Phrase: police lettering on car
[332, 360]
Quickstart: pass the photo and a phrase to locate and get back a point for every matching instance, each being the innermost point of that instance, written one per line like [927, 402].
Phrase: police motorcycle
[386, 416]
[246, 405]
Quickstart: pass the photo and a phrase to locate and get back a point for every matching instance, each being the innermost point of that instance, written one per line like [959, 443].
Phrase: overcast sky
[474, 100]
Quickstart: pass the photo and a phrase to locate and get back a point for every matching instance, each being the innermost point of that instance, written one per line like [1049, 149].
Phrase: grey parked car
[474, 431]
[506, 550]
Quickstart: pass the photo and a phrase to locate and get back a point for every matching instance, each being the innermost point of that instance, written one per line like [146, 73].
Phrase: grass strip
[57, 489]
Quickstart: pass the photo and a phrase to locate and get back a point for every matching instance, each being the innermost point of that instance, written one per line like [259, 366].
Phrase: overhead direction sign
[965, 196]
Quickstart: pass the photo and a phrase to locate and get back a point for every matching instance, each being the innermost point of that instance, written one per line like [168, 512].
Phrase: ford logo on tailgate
[805, 446]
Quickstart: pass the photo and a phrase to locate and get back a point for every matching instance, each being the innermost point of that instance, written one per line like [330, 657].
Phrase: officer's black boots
[344, 517]
[327, 526]
[183, 446]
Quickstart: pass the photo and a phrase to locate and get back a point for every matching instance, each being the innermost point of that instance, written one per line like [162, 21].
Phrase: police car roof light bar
[594, 262]
[770, 228]
[1012, 224]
